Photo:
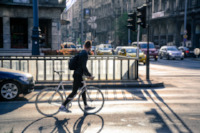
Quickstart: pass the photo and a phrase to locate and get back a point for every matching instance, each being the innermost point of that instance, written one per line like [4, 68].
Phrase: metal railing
[102, 67]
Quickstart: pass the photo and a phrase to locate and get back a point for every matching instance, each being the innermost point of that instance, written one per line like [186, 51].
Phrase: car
[69, 48]
[93, 50]
[153, 52]
[170, 52]
[104, 51]
[131, 52]
[13, 83]
[118, 48]
[185, 50]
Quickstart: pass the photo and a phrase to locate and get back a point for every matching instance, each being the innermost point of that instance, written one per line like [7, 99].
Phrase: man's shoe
[89, 108]
[64, 109]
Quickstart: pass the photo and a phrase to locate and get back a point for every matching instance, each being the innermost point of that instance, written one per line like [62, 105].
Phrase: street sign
[92, 22]
[185, 36]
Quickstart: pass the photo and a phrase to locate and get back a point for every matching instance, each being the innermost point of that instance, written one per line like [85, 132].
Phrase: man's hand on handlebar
[91, 77]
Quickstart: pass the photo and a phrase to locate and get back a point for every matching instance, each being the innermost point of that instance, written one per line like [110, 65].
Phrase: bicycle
[49, 100]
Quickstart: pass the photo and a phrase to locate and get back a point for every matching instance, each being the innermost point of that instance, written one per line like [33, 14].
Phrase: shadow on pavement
[174, 119]
[157, 119]
[92, 123]
[12, 105]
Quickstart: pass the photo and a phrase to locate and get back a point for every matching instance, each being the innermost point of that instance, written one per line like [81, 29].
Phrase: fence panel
[102, 67]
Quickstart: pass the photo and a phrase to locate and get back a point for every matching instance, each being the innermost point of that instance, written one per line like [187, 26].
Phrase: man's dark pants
[76, 85]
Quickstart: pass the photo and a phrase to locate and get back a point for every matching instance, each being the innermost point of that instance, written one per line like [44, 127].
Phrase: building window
[156, 40]
[45, 27]
[170, 38]
[1, 33]
[19, 32]
[156, 5]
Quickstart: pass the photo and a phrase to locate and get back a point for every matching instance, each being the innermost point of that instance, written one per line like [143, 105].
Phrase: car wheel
[160, 56]
[155, 59]
[9, 90]
[181, 58]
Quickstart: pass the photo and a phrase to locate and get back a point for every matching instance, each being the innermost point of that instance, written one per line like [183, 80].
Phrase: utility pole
[185, 25]
[35, 31]
[81, 23]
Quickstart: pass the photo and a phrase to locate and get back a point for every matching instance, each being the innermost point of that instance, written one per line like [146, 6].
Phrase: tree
[122, 31]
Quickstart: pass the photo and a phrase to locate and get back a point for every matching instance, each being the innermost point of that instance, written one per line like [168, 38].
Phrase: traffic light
[132, 21]
[141, 15]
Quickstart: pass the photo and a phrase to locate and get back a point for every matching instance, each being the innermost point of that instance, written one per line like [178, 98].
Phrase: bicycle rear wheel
[48, 101]
[94, 98]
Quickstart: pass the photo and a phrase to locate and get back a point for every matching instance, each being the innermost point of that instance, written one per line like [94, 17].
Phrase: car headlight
[25, 79]
[182, 53]
[170, 53]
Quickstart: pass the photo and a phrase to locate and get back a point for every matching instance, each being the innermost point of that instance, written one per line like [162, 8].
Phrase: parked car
[131, 52]
[104, 51]
[13, 83]
[170, 52]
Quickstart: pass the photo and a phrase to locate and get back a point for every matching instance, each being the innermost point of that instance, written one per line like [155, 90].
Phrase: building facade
[16, 24]
[167, 22]
[106, 12]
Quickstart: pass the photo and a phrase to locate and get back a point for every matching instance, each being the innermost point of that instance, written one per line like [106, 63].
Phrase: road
[171, 109]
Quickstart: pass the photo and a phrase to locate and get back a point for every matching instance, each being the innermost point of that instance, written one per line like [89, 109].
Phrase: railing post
[45, 69]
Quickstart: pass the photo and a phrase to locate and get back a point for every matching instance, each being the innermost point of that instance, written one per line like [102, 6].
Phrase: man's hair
[88, 44]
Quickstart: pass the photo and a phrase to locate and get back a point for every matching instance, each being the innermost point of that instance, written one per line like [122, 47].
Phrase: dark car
[185, 50]
[13, 83]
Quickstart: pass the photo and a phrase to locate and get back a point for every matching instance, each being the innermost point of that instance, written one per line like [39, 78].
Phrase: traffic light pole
[138, 38]
[81, 23]
[148, 25]
[35, 31]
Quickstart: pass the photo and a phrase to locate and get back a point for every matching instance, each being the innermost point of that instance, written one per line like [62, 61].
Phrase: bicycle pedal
[70, 105]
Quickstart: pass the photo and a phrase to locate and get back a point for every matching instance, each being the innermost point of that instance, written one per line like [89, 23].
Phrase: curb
[106, 86]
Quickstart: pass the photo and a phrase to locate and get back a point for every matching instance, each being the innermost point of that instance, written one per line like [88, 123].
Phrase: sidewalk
[140, 83]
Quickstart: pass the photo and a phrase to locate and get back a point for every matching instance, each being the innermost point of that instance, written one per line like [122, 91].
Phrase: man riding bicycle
[81, 70]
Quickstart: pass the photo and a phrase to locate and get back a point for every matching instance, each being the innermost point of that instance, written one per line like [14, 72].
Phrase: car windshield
[131, 50]
[172, 49]
[104, 48]
[145, 46]
[72, 46]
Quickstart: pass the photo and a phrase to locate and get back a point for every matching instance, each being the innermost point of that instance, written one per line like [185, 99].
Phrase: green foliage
[122, 31]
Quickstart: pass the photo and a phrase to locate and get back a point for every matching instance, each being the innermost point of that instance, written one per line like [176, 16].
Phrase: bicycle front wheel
[48, 102]
[94, 98]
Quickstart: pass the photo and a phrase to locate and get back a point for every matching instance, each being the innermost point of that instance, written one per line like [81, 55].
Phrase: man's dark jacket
[82, 62]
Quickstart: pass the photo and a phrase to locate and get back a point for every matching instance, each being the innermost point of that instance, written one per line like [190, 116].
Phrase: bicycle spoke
[94, 98]
[48, 102]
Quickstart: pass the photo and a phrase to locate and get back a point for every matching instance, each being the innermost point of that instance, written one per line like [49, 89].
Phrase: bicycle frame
[83, 88]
